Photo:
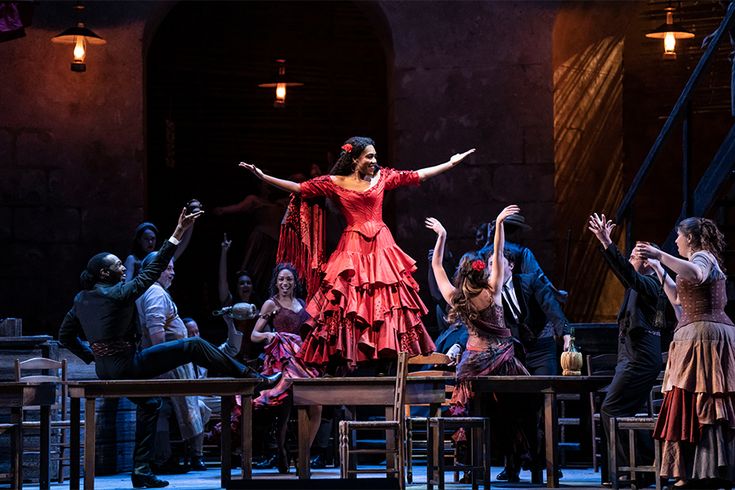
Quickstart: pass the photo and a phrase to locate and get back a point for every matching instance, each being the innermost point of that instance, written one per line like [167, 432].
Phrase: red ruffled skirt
[281, 355]
[368, 306]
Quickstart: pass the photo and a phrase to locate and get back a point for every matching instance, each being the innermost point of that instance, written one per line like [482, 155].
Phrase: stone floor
[573, 478]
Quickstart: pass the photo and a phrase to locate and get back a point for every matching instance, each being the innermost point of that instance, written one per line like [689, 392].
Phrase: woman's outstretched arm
[496, 279]
[284, 184]
[429, 172]
[683, 268]
[668, 284]
[445, 285]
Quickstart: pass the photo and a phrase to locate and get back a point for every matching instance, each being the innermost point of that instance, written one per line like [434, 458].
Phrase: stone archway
[205, 112]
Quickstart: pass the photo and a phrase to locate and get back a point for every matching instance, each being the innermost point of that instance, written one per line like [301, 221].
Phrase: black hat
[516, 220]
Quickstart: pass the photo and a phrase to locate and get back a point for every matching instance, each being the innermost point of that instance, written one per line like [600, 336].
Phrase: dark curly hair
[91, 274]
[704, 235]
[273, 288]
[469, 281]
[345, 164]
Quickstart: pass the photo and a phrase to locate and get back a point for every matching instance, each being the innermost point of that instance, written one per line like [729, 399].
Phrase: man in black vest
[536, 319]
[640, 320]
[104, 313]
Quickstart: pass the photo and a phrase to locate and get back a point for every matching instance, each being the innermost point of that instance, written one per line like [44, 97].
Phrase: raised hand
[255, 170]
[601, 227]
[646, 251]
[507, 211]
[458, 157]
[186, 220]
[434, 225]
[226, 243]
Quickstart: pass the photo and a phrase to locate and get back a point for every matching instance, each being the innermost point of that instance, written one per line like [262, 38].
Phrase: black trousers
[628, 393]
[154, 361]
[541, 360]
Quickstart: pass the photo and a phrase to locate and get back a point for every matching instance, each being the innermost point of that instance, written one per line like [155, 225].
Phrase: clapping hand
[646, 251]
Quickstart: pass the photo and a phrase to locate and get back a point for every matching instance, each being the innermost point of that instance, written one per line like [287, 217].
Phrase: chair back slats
[655, 400]
[400, 390]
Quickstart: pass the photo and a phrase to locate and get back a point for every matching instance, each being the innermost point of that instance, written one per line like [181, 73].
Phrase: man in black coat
[104, 313]
[640, 320]
[536, 319]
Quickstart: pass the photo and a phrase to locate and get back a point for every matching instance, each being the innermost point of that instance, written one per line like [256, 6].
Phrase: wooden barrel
[115, 435]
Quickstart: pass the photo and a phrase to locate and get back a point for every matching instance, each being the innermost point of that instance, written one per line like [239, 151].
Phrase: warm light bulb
[280, 94]
[79, 50]
[669, 42]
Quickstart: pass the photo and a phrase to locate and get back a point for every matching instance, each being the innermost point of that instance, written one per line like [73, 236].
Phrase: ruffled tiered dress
[697, 419]
[281, 354]
[367, 306]
[490, 352]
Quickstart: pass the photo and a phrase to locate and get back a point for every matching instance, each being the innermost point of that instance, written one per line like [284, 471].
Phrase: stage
[210, 479]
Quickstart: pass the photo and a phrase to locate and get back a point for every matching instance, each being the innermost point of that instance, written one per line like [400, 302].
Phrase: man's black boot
[265, 381]
[147, 480]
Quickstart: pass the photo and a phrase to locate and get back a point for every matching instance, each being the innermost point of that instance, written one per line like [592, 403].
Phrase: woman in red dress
[367, 305]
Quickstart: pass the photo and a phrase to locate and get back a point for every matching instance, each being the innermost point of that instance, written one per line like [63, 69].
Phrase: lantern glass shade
[669, 32]
[80, 37]
[281, 84]
[70, 36]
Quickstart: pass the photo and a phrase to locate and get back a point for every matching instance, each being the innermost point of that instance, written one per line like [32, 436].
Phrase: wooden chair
[602, 364]
[632, 425]
[53, 371]
[418, 426]
[477, 430]
[394, 429]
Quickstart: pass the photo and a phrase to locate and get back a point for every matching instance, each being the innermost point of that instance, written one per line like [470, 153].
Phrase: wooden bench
[91, 390]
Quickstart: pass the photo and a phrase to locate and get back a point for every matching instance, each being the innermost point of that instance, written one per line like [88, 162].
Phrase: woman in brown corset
[284, 314]
[697, 420]
[475, 297]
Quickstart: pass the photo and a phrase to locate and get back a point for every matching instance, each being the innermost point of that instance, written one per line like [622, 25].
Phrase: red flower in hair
[478, 265]
[347, 147]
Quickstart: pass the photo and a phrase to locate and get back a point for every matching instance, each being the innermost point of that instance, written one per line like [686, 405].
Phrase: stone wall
[72, 146]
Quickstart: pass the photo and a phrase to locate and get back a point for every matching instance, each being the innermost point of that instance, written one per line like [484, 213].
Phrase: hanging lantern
[669, 32]
[281, 84]
[81, 37]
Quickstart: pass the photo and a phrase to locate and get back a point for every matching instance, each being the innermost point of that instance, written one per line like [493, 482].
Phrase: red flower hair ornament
[347, 147]
[478, 265]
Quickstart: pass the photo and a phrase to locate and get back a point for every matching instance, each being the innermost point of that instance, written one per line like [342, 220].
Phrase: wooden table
[549, 386]
[359, 391]
[91, 390]
[16, 395]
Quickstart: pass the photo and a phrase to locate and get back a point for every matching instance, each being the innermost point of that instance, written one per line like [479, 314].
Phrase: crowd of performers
[501, 315]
